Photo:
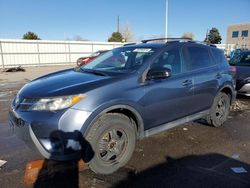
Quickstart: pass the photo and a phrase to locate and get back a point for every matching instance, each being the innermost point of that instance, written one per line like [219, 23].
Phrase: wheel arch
[228, 89]
[126, 110]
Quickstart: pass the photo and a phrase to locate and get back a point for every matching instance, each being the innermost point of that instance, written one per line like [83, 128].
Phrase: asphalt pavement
[191, 155]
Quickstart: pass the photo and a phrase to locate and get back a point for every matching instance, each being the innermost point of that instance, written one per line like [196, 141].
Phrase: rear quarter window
[218, 56]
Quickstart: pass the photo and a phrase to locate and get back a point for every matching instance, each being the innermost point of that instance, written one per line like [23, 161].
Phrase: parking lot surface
[192, 155]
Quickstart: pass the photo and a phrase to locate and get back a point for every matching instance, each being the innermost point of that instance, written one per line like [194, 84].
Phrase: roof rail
[184, 39]
[202, 42]
[128, 44]
[167, 39]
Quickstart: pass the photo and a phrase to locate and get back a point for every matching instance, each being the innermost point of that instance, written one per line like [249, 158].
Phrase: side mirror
[158, 73]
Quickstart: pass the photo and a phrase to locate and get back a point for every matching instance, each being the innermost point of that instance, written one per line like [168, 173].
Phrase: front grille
[17, 121]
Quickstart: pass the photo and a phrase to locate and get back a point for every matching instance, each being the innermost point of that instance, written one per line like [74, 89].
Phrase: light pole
[166, 29]
[118, 24]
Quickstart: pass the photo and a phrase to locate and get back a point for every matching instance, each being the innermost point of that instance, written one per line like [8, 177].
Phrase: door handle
[187, 83]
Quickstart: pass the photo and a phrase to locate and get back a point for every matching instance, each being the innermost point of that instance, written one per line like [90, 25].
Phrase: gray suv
[98, 111]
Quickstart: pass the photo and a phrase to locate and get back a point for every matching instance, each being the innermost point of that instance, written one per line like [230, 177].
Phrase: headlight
[51, 104]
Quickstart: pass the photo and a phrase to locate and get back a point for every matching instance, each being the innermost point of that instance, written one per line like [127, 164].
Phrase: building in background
[239, 35]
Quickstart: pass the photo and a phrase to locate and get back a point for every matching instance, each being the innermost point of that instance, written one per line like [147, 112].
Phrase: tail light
[233, 70]
[85, 61]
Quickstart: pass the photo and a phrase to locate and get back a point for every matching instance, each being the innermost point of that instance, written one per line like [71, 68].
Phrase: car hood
[66, 82]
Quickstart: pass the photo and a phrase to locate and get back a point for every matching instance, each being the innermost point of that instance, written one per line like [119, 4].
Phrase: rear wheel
[112, 138]
[220, 110]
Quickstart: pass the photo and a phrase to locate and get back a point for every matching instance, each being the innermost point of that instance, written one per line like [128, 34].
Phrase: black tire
[220, 110]
[113, 139]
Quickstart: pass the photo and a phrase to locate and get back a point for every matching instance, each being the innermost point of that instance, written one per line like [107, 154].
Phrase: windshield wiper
[99, 73]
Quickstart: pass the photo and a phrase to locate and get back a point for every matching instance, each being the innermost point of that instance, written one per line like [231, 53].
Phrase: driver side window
[170, 59]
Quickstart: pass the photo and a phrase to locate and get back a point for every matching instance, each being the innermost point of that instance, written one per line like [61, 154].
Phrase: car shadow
[211, 170]
[58, 174]
[64, 173]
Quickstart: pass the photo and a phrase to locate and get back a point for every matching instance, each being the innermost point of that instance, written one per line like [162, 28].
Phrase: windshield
[119, 60]
[242, 59]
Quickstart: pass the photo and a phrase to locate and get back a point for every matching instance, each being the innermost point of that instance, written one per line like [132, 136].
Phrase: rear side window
[218, 56]
[198, 58]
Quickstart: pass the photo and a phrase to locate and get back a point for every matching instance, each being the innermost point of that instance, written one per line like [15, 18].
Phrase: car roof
[160, 45]
[183, 41]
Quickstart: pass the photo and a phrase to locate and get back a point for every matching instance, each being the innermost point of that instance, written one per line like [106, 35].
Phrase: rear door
[206, 76]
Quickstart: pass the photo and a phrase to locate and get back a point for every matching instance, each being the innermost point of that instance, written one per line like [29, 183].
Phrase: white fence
[41, 52]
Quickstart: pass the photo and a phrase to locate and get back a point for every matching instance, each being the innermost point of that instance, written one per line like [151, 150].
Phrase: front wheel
[112, 138]
[220, 110]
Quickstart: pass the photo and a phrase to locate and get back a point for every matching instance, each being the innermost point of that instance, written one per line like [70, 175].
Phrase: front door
[171, 98]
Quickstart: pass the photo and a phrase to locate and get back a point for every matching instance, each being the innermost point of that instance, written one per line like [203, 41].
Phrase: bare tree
[76, 38]
[127, 33]
[79, 38]
[188, 35]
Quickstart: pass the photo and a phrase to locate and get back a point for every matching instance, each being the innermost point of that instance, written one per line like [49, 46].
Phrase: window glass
[170, 59]
[199, 58]
[242, 59]
[218, 55]
[122, 59]
[244, 33]
[235, 34]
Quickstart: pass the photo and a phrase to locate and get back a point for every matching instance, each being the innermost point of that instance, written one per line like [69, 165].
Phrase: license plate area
[15, 121]
[19, 127]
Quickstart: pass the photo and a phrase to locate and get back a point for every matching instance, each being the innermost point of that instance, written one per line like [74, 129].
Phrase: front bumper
[56, 136]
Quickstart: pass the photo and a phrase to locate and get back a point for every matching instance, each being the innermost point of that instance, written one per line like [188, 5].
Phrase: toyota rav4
[128, 93]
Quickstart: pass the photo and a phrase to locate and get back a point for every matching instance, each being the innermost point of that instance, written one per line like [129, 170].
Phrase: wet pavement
[192, 155]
